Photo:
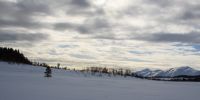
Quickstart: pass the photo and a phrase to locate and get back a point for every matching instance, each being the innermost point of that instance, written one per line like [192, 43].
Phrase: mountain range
[172, 72]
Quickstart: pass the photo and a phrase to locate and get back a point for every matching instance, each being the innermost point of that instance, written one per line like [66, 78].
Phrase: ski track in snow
[24, 82]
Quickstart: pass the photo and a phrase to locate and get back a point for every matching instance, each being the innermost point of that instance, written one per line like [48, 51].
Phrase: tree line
[13, 56]
[108, 71]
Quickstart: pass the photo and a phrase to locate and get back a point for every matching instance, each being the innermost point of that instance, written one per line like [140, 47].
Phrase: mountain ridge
[172, 72]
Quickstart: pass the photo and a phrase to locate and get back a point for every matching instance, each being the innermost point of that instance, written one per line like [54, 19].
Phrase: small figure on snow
[48, 72]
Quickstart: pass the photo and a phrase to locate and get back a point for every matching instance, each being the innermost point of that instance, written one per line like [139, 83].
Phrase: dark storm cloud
[170, 37]
[7, 36]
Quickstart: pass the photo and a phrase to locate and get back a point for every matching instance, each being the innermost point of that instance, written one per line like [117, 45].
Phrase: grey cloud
[96, 25]
[185, 12]
[22, 13]
[136, 60]
[167, 13]
[77, 7]
[22, 23]
[161, 3]
[78, 12]
[90, 11]
[81, 56]
[83, 8]
[90, 26]
[170, 37]
[80, 3]
[106, 36]
[33, 6]
[191, 13]
[65, 26]
[6, 36]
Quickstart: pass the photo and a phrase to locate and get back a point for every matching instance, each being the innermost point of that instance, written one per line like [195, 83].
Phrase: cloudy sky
[133, 33]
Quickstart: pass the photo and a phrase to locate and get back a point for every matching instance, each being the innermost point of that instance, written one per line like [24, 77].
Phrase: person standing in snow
[48, 72]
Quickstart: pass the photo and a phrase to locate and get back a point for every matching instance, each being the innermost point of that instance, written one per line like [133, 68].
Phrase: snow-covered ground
[24, 82]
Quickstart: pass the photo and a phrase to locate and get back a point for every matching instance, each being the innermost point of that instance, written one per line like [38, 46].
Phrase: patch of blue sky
[66, 46]
[139, 52]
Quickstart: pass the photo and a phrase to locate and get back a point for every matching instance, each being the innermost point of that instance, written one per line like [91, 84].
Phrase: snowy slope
[182, 71]
[172, 72]
[24, 82]
[145, 72]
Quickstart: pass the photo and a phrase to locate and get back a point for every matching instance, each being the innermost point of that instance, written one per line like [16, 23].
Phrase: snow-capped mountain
[144, 73]
[172, 72]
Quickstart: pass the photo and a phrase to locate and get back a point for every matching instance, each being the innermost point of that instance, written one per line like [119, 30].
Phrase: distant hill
[172, 72]
[183, 73]
[13, 56]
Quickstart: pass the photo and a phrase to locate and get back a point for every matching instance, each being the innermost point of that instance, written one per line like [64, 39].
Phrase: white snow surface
[185, 70]
[25, 82]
